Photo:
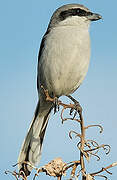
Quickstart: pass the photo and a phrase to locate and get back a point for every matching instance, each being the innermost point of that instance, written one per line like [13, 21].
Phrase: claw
[56, 104]
[77, 105]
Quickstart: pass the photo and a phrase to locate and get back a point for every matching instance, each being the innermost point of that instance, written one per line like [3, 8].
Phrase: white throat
[80, 22]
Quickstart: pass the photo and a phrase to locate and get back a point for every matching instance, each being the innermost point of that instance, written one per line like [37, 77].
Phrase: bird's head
[73, 15]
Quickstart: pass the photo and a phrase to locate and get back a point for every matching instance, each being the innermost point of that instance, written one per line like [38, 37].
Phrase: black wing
[41, 51]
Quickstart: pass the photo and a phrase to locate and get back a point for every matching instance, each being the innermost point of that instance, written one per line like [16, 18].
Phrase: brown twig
[16, 175]
[82, 146]
[104, 169]
[59, 178]
[69, 165]
[13, 173]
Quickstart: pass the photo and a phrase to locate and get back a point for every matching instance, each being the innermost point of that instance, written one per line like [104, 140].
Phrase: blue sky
[22, 25]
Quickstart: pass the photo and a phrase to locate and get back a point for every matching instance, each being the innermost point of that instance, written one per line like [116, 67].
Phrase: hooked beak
[94, 17]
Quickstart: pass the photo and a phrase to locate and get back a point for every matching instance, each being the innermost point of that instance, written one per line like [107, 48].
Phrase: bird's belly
[65, 65]
[66, 77]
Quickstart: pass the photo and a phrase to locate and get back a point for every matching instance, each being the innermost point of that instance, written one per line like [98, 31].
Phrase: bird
[63, 62]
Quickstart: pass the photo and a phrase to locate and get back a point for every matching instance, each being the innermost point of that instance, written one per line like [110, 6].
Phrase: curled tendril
[14, 173]
[17, 175]
[98, 157]
[98, 147]
[107, 148]
[88, 149]
[94, 144]
[95, 125]
[77, 135]
[65, 119]
[93, 154]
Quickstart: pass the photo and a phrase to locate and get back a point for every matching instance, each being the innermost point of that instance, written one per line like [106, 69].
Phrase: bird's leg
[53, 99]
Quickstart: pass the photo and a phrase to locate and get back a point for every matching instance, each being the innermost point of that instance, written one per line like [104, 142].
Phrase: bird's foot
[77, 107]
[56, 103]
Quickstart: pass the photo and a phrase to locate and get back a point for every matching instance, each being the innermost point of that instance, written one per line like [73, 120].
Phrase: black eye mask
[73, 12]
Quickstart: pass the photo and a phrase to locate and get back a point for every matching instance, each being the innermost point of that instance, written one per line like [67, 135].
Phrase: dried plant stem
[57, 168]
[59, 178]
[82, 147]
[104, 169]
[72, 106]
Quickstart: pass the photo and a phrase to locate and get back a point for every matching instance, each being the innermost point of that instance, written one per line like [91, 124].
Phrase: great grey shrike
[62, 65]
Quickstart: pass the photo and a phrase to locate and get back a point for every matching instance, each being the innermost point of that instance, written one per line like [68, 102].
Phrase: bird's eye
[78, 10]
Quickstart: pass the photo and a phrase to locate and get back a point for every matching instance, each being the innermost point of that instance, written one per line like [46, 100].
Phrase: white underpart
[65, 59]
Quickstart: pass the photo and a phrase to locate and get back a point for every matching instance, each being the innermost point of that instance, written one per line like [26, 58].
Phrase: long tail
[32, 145]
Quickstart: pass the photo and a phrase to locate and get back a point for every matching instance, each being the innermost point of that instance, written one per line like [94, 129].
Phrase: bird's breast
[65, 59]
